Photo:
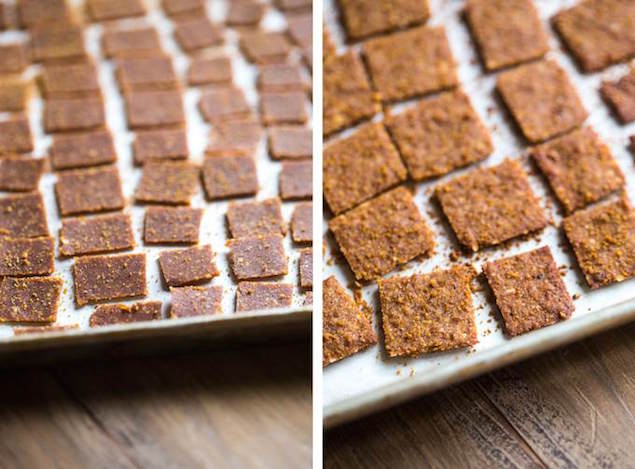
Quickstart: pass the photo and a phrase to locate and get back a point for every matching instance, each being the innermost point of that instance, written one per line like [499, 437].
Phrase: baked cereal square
[39, 12]
[161, 144]
[198, 34]
[13, 95]
[291, 142]
[347, 329]
[598, 32]
[33, 300]
[603, 239]
[90, 190]
[73, 114]
[363, 18]
[257, 257]
[490, 205]
[529, 291]
[229, 176]
[105, 10]
[244, 13]
[168, 182]
[381, 234]
[620, 96]
[281, 78]
[146, 73]
[410, 63]
[142, 42]
[59, 42]
[105, 315]
[283, 108]
[254, 296]
[23, 216]
[70, 80]
[223, 105]
[195, 301]
[210, 71]
[82, 149]
[26, 257]
[188, 266]
[541, 100]
[13, 57]
[230, 138]
[15, 136]
[579, 168]
[439, 135]
[255, 218]
[305, 268]
[300, 29]
[428, 313]
[507, 32]
[154, 109]
[177, 9]
[20, 174]
[96, 235]
[264, 47]
[302, 223]
[296, 180]
[172, 225]
[359, 167]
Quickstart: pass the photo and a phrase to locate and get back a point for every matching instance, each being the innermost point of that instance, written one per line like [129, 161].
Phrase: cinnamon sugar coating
[93, 235]
[32, 300]
[26, 257]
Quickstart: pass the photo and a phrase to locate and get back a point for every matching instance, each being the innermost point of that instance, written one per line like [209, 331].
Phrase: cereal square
[108, 278]
[210, 71]
[620, 96]
[13, 95]
[154, 109]
[302, 223]
[265, 47]
[598, 32]
[146, 73]
[13, 57]
[195, 301]
[26, 257]
[188, 266]
[177, 9]
[229, 176]
[363, 18]
[541, 99]
[57, 43]
[244, 13]
[490, 205]
[283, 108]
[225, 104]
[257, 257]
[254, 296]
[198, 34]
[347, 329]
[234, 138]
[105, 315]
[291, 142]
[20, 174]
[68, 114]
[23, 216]
[507, 32]
[96, 235]
[105, 10]
[168, 182]
[603, 239]
[83, 149]
[382, 233]
[282, 78]
[172, 225]
[300, 29]
[70, 80]
[410, 63]
[428, 313]
[305, 268]
[255, 218]
[359, 167]
[439, 135]
[90, 190]
[34, 299]
[143, 42]
[161, 144]
[579, 168]
[15, 136]
[39, 12]
[529, 291]
[296, 180]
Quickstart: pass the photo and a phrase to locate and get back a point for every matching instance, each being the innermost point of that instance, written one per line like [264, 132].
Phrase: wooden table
[569, 408]
[248, 407]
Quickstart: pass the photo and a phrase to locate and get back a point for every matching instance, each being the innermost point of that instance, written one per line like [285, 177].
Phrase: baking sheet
[213, 227]
[369, 381]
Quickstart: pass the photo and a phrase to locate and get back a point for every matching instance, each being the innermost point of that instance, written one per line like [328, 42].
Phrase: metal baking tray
[213, 227]
[368, 382]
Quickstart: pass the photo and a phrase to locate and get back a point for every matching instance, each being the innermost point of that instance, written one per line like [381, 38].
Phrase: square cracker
[382, 233]
[14, 94]
[208, 71]
[348, 97]
[23, 216]
[507, 32]
[490, 205]
[428, 313]
[89, 191]
[253, 296]
[70, 80]
[296, 180]
[598, 32]
[223, 105]
[146, 73]
[257, 257]
[105, 10]
[283, 108]
[72, 114]
[264, 47]
[188, 266]
[33, 13]
[346, 330]
[26, 257]
[105, 315]
[197, 34]
[20, 174]
[96, 235]
[529, 291]
[305, 268]
[300, 29]
[229, 176]
[281, 78]
[244, 13]
[255, 218]
[359, 167]
[620, 95]
[59, 42]
[180, 8]
[363, 18]
[172, 225]
[579, 168]
[142, 42]
[291, 142]
[439, 135]
[33, 300]
[160, 144]
[230, 138]
[603, 239]
[15, 136]
[410, 63]
[195, 301]
[302, 223]
[13, 57]
[541, 100]
[168, 182]
[154, 109]
[82, 149]
[108, 278]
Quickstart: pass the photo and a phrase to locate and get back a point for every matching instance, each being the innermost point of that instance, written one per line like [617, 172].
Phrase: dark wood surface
[572, 407]
[248, 407]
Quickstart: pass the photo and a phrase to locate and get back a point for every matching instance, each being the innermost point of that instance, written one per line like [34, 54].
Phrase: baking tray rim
[512, 351]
